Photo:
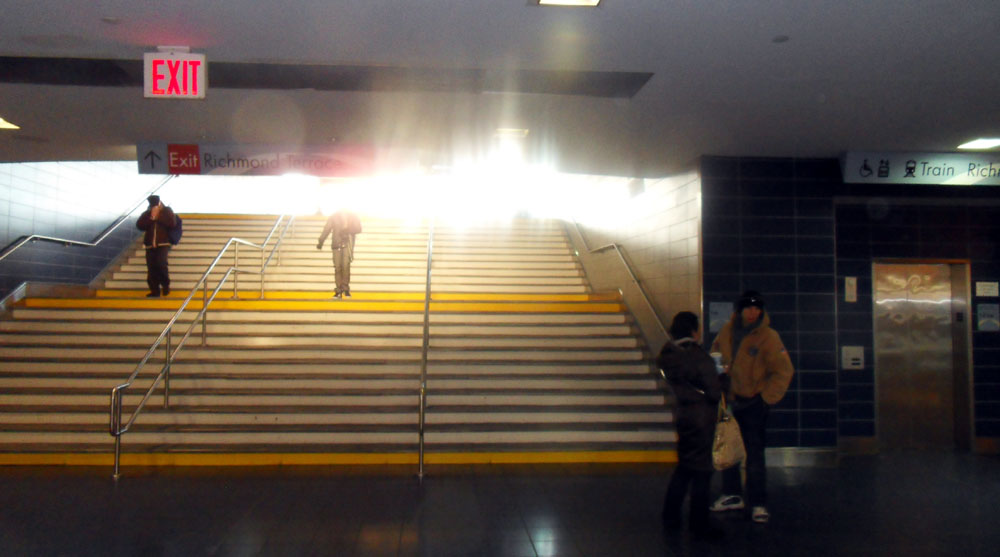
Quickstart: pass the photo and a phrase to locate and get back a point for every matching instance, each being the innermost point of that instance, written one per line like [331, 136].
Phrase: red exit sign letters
[174, 75]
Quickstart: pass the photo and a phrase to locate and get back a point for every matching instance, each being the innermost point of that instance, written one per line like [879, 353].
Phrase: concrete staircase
[525, 364]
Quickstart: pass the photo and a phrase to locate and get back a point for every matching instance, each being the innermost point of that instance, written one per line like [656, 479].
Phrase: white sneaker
[727, 503]
[760, 514]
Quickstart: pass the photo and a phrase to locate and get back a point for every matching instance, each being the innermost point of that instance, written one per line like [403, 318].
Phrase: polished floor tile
[914, 504]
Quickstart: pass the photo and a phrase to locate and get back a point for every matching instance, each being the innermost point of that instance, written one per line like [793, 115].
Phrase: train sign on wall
[949, 169]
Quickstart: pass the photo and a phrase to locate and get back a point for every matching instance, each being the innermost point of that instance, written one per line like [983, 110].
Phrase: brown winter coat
[156, 231]
[761, 365]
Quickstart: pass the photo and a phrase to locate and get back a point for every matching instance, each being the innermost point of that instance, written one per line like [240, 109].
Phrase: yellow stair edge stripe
[414, 296]
[566, 457]
[318, 459]
[327, 305]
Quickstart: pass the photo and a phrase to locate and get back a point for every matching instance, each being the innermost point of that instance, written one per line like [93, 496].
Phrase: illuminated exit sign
[174, 73]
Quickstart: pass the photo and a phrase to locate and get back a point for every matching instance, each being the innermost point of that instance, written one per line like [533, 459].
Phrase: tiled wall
[72, 200]
[658, 231]
[793, 230]
[768, 225]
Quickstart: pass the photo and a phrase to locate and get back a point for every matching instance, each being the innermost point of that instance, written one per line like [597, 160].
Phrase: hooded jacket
[761, 365]
[697, 389]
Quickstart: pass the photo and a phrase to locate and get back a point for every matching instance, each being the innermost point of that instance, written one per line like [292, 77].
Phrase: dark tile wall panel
[774, 233]
[793, 230]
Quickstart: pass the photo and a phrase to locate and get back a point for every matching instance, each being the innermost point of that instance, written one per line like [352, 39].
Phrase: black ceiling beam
[233, 75]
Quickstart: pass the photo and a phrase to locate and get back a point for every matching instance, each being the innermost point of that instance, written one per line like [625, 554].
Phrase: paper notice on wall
[988, 317]
[718, 314]
[987, 289]
[850, 289]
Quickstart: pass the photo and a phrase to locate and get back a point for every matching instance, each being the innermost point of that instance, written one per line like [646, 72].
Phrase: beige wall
[658, 232]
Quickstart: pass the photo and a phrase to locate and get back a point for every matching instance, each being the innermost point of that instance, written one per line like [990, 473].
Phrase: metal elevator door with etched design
[913, 355]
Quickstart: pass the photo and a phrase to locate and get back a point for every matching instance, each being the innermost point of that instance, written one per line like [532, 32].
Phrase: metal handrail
[115, 426]
[426, 347]
[628, 268]
[11, 248]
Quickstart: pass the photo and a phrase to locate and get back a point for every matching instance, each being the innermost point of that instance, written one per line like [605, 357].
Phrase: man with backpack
[342, 227]
[157, 222]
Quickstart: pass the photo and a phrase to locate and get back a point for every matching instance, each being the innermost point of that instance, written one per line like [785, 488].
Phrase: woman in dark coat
[697, 388]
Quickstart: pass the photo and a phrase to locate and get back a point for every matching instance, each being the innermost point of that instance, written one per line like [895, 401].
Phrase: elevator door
[913, 355]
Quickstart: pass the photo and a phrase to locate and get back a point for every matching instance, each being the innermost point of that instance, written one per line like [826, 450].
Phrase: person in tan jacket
[760, 371]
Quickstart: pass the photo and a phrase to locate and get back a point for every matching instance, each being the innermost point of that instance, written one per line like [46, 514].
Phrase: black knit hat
[750, 298]
[153, 200]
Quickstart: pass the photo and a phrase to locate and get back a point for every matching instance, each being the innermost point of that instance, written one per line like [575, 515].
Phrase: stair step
[181, 382]
[265, 311]
[215, 327]
[211, 439]
[91, 397]
[120, 369]
[368, 416]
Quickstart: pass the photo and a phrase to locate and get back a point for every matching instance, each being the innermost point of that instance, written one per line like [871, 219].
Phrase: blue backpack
[174, 234]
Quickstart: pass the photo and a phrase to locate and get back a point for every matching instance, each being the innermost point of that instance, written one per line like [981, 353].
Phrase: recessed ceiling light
[981, 143]
[582, 3]
[512, 132]
[5, 125]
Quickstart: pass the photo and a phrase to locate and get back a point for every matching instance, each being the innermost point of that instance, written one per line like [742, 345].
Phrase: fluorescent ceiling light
[981, 143]
[512, 132]
[584, 3]
[5, 125]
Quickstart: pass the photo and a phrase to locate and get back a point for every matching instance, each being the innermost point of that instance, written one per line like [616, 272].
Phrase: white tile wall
[660, 233]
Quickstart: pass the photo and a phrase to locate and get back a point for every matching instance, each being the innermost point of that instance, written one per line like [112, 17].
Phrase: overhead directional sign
[253, 160]
[958, 169]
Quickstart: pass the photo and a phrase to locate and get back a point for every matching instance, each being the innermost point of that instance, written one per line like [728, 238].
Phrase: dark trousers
[751, 414]
[342, 268]
[157, 273]
[699, 481]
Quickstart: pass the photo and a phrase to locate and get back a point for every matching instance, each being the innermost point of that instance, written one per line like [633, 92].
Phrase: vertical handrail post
[280, 243]
[236, 275]
[262, 252]
[116, 427]
[166, 374]
[423, 358]
[118, 455]
[204, 314]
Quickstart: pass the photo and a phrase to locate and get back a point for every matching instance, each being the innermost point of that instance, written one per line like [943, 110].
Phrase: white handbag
[727, 445]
